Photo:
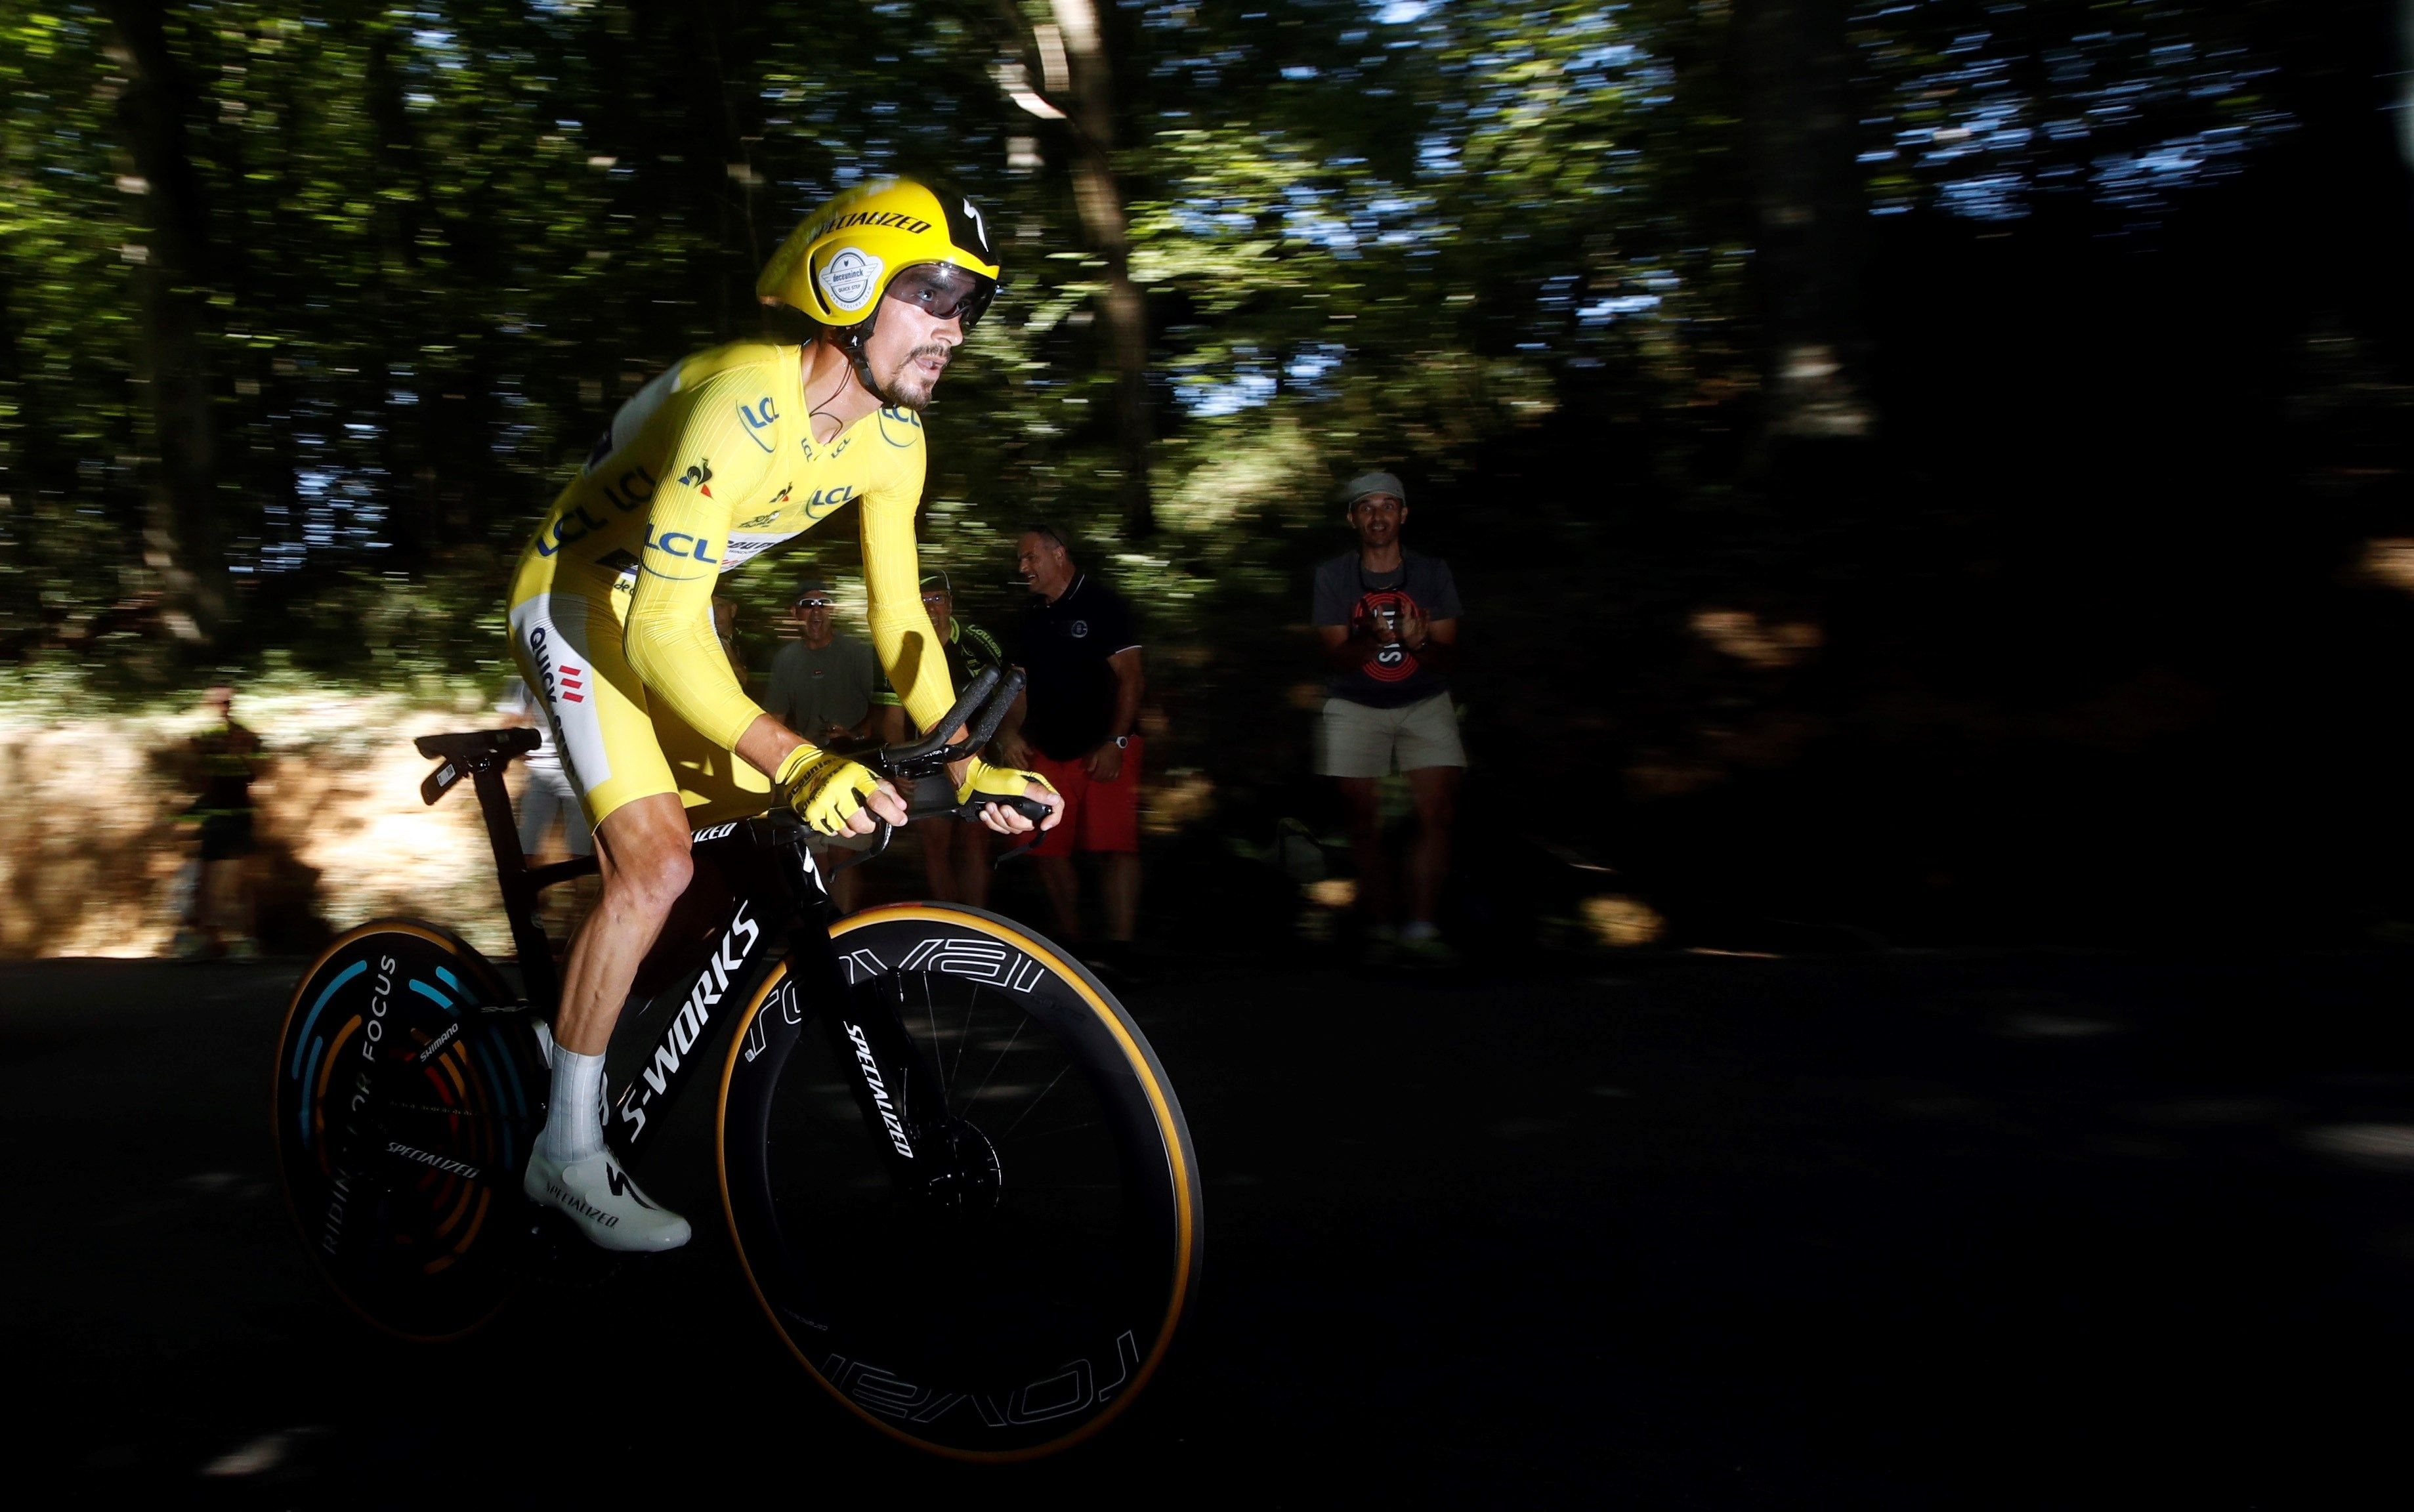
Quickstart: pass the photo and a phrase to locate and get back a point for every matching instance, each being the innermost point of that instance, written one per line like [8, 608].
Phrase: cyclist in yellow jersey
[729, 454]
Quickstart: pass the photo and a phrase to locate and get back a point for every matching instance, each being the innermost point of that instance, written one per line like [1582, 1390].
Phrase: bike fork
[896, 1088]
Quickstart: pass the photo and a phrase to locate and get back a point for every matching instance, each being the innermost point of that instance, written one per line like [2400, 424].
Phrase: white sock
[573, 1125]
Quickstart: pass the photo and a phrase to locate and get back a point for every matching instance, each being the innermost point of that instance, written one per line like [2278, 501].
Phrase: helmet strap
[852, 341]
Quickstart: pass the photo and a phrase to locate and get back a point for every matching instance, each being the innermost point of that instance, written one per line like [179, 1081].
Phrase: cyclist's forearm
[765, 744]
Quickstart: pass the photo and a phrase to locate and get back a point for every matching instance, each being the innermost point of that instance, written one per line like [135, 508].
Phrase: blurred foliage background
[1935, 468]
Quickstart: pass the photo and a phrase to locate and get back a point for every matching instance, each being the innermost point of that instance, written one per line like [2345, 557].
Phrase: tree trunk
[1100, 201]
[1795, 67]
[179, 536]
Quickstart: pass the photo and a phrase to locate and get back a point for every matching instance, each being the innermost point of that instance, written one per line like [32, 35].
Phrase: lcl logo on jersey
[759, 417]
[680, 543]
[576, 525]
[631, 488]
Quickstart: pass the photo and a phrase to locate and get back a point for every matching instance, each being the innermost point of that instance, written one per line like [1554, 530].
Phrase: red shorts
[1099, 816]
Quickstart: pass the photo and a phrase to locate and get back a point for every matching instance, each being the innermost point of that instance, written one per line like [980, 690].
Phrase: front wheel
[406, 1104]
[1014, 1294]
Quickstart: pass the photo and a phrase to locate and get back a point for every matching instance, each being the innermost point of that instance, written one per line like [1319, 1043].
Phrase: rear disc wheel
[406, 1104]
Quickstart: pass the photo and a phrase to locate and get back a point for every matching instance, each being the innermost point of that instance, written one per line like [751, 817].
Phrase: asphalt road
[1881, 1230]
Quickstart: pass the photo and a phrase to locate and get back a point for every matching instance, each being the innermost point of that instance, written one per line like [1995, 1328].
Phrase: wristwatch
[1123, 742]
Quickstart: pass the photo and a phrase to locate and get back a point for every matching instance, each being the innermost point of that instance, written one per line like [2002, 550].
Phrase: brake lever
[879, 847]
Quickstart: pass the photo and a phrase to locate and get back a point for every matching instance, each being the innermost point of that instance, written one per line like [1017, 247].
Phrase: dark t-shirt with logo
[1064, 646]
[1347, 594]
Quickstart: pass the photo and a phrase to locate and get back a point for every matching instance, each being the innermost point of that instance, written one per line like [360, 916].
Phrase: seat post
[537, 974]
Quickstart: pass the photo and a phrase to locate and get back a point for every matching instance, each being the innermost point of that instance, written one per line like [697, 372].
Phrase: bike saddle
[466, 746]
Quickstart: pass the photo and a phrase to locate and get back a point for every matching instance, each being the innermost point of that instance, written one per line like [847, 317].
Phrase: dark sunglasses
[944, 291]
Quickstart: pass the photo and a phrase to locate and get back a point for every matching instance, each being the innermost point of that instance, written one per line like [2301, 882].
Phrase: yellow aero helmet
[840, 259]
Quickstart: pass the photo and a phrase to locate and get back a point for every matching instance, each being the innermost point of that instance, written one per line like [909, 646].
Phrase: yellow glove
[997, 784]
[824, 788]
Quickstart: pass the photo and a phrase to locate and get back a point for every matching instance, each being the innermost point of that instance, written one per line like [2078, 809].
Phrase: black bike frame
[756, 901]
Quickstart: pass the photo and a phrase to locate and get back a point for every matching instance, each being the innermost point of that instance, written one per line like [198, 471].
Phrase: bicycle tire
[982, 1333]
[402, 1173]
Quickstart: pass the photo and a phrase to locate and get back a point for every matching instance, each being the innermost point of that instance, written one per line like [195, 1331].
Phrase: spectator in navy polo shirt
[1077, 724]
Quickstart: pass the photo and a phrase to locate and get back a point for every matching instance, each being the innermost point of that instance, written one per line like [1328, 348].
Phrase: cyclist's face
[908, 350]
[941, 608]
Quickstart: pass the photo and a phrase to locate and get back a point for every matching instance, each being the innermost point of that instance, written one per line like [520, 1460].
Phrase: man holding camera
[1389, 619]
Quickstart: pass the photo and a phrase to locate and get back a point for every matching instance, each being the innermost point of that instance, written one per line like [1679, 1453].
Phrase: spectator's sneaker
[1426, 947]
[598, 1196]
[1381, 948]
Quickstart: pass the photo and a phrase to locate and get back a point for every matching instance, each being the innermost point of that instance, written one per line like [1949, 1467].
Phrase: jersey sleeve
[902, 633]
[713, 468]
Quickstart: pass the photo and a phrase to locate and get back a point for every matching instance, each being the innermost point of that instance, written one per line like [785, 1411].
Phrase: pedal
[562, 1258]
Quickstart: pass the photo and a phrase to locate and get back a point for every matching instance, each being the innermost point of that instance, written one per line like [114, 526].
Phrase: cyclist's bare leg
[1359, 796]
[643, 852]
[1435, 789]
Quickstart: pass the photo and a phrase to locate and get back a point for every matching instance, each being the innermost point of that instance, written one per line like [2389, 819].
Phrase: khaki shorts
[1353, 740]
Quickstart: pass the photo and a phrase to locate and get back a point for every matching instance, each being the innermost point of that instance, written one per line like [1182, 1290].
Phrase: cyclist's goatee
[908, 387]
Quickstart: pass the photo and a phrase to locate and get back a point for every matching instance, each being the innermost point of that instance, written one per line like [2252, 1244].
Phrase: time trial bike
[952, 1170]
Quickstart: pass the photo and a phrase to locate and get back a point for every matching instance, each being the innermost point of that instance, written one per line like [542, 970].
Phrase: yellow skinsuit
[704, 467]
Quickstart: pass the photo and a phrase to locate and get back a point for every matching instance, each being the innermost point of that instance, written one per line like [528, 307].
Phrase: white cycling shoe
[598, 1196]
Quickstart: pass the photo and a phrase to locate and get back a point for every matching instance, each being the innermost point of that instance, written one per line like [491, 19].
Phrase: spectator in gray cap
[1389, 619]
